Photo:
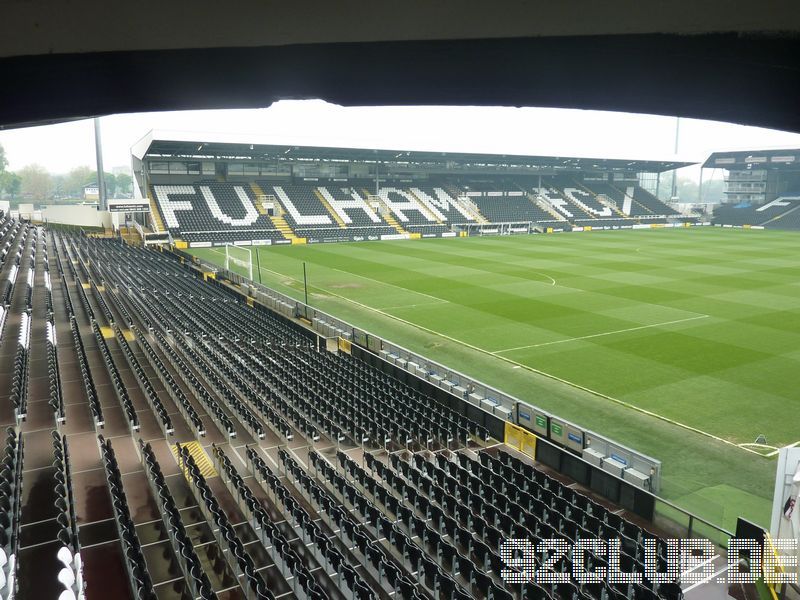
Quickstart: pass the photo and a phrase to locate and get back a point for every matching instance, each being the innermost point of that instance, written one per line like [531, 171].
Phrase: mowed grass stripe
[723, 374]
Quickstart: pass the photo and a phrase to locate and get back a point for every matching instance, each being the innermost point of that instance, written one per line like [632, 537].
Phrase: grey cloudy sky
[538, 131]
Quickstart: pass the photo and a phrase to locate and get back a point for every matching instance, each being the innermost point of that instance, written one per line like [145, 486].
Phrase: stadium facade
[762, 188]
[223, 192]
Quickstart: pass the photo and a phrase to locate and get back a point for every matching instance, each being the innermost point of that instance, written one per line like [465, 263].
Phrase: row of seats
[116, 379]
[432, 575]
[102, 303]
[56, 399]
[443, 202]
[513, 209]
[579, 197]
[71, 574]
[220, 384]
[8, 284]
[163, 274]
[144, 383]
[209, 206]
[241, 557]
[651, 203]
[10, 511]
[86, 376]
[234, 370]
[583, 518]
[139, 577]
[199, 392]
[21, 369]
[464, 550]
[172, 387]
[31, 271]
[181, 542]
[303, 207]
[389, 573]
[87, 307]
[789, 220]
[747, 214]
[354, 210]
[350, 582]
[8, 232]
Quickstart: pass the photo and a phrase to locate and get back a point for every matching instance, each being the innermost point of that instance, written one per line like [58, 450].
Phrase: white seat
[67, 577]
[65, 556]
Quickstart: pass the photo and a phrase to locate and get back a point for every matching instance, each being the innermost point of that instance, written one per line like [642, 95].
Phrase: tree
[124, 184]
[3, 159]
[111, 184]
[10, 183]
[36, 183]
[76, 179]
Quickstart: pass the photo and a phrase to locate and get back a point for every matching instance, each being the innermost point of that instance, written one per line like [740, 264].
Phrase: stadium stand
[212, 212]
[581, 201]
[245, 461]
[781, 213]
[446, 207]
[304, 210]
[510, 209]
[215, 213]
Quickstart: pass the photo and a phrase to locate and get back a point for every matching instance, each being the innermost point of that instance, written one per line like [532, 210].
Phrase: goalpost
[230, 257]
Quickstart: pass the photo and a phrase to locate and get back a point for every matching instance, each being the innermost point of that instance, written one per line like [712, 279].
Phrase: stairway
[282, 226]
[471, 208]
[392, 222]
[259, 193]
[131, 236]
[329, 208]
[155, 215]
[385, 213]
[547, 207]
[425, 210]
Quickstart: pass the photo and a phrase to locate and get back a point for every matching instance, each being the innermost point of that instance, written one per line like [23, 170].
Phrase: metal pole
[658, 183]
[101, 180]
[258, 264]
[674, 171]
[305, 282]
[700, 188]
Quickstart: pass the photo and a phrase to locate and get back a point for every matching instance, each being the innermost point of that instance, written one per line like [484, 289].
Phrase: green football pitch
[683, 344]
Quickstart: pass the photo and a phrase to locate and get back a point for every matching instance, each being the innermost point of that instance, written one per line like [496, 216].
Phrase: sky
[536, 131]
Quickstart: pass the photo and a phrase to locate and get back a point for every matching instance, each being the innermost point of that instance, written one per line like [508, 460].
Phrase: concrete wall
[85, 216]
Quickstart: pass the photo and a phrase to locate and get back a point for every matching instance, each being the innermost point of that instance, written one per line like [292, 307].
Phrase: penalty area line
[595, 335]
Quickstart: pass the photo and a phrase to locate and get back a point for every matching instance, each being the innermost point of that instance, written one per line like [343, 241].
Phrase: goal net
[239, 260]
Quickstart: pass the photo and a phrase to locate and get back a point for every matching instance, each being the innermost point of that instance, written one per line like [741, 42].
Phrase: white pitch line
[552, 281]
[705, 581]
[594, 335]
[414, 305]
[399, 287]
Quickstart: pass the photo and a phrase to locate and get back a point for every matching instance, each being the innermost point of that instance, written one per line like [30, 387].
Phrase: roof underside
[269, 152]
[755, 159]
